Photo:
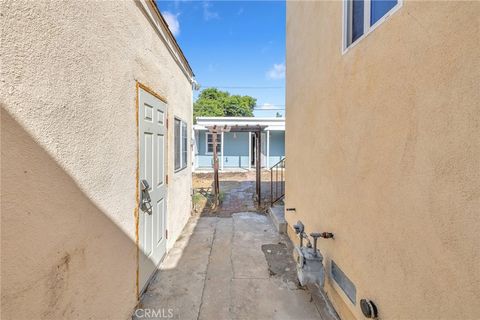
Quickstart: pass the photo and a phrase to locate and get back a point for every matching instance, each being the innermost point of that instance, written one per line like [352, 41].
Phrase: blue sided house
[236, 144]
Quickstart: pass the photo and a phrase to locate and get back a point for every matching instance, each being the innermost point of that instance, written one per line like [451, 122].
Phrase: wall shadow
[62, 257]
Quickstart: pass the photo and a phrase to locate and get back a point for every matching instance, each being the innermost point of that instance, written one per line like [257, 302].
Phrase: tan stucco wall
[69, 154]
[383, 149]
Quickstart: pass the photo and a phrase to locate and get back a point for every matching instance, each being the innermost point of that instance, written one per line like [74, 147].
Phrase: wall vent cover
[344, 282]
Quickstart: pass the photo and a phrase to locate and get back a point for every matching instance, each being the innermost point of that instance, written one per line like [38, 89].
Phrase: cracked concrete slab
[179, 282]
[270, 299]
[216, 298]
[217, 270]
[251, 231]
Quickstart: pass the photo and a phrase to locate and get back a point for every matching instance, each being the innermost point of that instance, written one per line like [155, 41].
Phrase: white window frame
[367, 29]
[182, 122]
[206, 143]
[184, 144]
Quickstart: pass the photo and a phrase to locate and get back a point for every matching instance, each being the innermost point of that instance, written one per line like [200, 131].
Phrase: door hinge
[166, 179]
[167, 123]
[166, 233]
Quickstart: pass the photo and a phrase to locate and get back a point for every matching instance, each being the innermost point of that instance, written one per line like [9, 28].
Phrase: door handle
[145, 200]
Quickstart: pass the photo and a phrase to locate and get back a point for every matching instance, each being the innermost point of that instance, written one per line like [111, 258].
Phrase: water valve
[300, 230]
[299, 227]
[315, 236]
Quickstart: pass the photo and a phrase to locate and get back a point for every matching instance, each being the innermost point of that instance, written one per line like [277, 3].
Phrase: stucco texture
[69, 154]
[383, 150]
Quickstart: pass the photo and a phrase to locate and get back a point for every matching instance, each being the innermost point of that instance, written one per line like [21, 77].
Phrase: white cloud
[266, 106]
[276, 72]
[207, 13]
[172, 21]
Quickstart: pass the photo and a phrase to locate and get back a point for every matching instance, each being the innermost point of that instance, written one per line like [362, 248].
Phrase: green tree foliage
[216, 103]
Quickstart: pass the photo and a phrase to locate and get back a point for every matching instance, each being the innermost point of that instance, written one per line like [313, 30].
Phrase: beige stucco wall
[69, 154]
[383, 149]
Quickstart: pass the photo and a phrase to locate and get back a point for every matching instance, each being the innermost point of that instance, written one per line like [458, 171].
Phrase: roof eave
[172, 37]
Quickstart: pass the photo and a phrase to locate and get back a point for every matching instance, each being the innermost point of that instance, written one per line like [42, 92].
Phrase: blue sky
[234, 44]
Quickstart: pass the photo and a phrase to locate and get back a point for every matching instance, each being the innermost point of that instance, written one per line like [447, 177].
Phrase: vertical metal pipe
[271, 186]
[216, 184]
[276, 182]
[259, 166]
[281, 180]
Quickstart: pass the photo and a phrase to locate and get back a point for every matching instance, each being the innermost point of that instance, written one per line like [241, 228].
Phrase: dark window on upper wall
[362, 16]
[357, 19]
[380, 8]
[181, 144]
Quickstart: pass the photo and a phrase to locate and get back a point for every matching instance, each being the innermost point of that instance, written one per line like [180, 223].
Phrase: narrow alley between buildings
[229, 265]
[218, 269]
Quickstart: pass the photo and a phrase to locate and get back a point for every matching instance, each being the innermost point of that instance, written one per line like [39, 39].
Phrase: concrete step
[277, 214]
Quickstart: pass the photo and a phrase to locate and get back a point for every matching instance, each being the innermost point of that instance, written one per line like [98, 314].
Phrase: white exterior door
[264, 149]
[153, 199]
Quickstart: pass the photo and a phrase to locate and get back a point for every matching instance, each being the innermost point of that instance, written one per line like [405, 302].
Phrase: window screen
[184, 144]
[178, 141]
[181, 144]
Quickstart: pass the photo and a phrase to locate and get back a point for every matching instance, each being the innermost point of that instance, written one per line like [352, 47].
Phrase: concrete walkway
[217, 270]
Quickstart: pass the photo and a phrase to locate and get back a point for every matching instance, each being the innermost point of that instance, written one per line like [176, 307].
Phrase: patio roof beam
[235, 128]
